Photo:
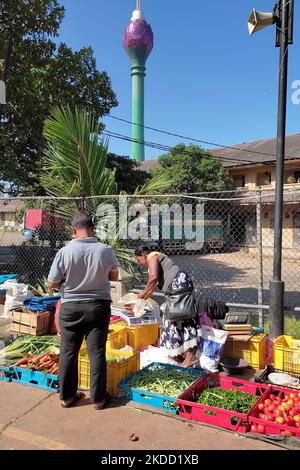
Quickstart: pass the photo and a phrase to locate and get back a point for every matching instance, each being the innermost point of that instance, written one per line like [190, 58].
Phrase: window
[297, 176]
[264, 178]
[238, 181]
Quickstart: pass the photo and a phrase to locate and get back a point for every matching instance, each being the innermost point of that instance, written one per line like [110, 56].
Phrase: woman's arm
[153, 265]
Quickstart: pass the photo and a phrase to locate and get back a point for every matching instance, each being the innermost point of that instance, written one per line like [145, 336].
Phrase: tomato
[299, 394]
[279, 420]
[290, 402]
[287, 408]
[286, 433]
[261, 406]
[270, 417]
[271, 408]
[281, 408]
[268, 401]
[272, 397]
[260, 415]
[297, 407]
[292, 412]
[289, 420]
[297, 418]
[297, 424]
[292, 395]
[261, 429]
[278, 412]
[296, 399]
[254, 428]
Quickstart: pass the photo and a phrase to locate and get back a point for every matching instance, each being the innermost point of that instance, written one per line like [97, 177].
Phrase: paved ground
[233, 277]
[31, 419]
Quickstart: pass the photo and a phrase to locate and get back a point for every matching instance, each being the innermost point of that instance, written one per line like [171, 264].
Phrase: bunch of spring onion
[28, 345]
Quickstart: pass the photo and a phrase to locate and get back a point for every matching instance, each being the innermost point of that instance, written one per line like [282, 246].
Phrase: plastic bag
[210, 348]
[204, 320]
[15, 294]
[143, 307]
[153, 354]
[128, 299]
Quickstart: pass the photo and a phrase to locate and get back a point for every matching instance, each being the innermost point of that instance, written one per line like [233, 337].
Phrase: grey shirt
[83, 267]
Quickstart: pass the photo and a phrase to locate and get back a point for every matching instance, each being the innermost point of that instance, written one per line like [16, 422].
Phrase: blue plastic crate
[29, 377]
[148, 398]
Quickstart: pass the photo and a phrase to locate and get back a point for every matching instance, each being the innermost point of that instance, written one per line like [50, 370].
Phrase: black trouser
[89, 319]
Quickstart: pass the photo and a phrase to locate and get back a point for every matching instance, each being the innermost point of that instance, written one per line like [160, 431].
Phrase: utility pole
[282, 16]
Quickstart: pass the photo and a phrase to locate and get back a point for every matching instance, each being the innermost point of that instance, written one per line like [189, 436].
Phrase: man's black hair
[144, 250]
[82, 220]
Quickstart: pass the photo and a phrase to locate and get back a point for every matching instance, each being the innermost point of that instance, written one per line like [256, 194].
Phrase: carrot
[22, 361]
[46, 365]
[38, 358]
[54, 370]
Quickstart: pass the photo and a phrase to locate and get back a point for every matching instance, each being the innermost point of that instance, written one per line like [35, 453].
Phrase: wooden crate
[30, 323]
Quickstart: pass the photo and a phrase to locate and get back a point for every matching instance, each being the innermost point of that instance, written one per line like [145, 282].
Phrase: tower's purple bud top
[138, 38]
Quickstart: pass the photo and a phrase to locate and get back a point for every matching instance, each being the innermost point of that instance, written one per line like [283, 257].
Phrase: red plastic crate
[272, 427]
[217, 416]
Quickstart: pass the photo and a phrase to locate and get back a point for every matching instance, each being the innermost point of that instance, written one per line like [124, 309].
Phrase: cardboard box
[120, 288]
[29, 323]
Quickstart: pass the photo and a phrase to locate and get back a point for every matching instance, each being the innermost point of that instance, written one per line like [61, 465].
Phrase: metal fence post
[259, 259]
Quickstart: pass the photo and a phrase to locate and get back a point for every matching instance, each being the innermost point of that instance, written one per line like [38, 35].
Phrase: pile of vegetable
[284, 410]
[169, 382]
[231, 400]
[109, 359]
[46, 362]
[25, 346]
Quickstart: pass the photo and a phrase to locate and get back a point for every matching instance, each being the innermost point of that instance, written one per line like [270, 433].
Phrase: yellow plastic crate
[142, 336]
[117, 335]
[129, 363]
[253, 351]
[287, 354]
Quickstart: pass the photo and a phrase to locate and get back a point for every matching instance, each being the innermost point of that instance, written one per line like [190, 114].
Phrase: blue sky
[205, 77]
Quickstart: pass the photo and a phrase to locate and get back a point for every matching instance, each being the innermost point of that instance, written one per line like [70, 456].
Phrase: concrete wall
[251, 174]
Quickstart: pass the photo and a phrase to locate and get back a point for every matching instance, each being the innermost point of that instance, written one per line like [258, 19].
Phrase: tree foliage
[190, 169]
[127, 172]
[40, 75]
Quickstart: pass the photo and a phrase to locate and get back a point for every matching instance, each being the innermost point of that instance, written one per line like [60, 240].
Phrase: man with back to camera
[82, 271]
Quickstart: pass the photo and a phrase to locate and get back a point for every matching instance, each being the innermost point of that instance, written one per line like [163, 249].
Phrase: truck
[40, 223]
[179, 240]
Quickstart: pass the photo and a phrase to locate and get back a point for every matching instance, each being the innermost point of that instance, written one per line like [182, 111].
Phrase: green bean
[163, 381]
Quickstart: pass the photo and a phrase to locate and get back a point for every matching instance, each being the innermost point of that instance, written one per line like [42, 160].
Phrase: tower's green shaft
[138, 73]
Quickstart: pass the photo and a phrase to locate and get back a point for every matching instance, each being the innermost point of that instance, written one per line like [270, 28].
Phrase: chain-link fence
[224, 240]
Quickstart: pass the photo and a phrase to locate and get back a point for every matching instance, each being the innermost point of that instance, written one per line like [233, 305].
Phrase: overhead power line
[238, 149]
[167, 148]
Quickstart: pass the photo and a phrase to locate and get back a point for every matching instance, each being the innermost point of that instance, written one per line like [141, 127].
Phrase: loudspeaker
[259, 20]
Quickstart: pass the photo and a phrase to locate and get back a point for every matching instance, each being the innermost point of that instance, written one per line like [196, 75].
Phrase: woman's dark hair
[82, 220]
[142, 250]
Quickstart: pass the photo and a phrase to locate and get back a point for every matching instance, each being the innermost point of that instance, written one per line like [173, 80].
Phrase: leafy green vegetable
[232, 400]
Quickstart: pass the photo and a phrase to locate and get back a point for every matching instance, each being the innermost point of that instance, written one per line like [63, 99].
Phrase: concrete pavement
[31, 419]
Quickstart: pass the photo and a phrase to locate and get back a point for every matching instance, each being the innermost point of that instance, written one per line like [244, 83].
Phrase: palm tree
[75, 168]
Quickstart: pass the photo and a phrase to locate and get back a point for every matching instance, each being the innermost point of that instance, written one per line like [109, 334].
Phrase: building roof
[243, 157]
